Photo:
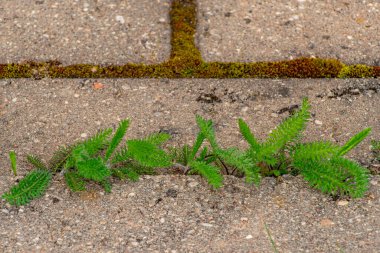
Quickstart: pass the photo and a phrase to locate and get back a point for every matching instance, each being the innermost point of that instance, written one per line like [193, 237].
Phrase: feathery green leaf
[242, 162]
[248, 136]
[32, 186]
[289, 130]
[207, 129]
[36, 162]
[157, 139]
[209, 172]
[58, 160]
[354, 141]
[314, 151]
[93, 168]
[107, 186]
[74, 181]
[97, 142]
[147, 154]
[117, 138]
[13, 159]
[124, 173]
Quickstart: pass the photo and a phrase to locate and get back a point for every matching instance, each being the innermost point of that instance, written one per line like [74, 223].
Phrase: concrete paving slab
[80, 31]
[39, 115]
[253, 30]
[182, 214]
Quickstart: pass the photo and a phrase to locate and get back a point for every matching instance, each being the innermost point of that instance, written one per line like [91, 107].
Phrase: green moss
[356, 71]
[186, 61]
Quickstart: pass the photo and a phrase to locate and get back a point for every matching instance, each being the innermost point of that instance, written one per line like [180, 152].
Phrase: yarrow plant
[101, 157]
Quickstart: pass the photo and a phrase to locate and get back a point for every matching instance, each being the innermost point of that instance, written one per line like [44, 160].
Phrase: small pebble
[342, 203]
[249, 237]
[193, 184]
[120, 19]
[318, 122]
[83, 135]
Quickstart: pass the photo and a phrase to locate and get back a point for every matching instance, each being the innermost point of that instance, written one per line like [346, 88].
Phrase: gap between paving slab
[175, 212]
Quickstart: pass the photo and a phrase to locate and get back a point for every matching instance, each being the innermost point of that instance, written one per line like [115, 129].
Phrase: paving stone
[39, 115]
[82, 31]
[253, 30]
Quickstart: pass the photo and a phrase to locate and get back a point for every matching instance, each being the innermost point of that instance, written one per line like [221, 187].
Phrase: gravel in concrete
[81, 31]
[172, 213]
[253, 30]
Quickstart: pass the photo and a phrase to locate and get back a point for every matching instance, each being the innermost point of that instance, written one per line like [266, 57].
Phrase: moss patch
[186, 61]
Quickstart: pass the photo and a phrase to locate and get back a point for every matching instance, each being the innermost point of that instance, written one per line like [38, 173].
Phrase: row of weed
[106, 155]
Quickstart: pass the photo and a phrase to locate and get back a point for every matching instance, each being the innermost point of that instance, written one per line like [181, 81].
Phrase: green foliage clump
[212, 159]
[32, 186]
[101, 157]
[95, 159]
[320, 163]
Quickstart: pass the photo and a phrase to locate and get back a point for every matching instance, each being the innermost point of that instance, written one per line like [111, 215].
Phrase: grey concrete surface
[85, 31]
[174, 213]
[39, 115]
[253, 30]
[36, 116]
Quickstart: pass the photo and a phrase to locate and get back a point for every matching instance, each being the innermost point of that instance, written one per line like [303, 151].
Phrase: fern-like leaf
[207, 129]
[357, 177]
[58, 160]
[242, 162]
[181, 155]
[36, 162]
[314, 151]
[158, 139]
[13, 159]
[147, 154]
[197, 145]
[32, 186]
[323, 176]
[209, 172]
[288, 131]
[117, 138]
[248, 136]
[107, 186]
[125, 173]
[354, 141]
[93, 168]
[75, 182]
[97, 142]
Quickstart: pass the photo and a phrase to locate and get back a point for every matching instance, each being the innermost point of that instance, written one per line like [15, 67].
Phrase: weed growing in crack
[99, 158]
[94, 159]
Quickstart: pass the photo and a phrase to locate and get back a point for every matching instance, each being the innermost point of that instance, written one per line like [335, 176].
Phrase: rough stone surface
[253, 30]
[142, 217]
[78, 31]
[39, 115]
[173, 213]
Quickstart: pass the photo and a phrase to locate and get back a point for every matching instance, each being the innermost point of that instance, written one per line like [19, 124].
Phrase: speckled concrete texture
[174, 213]
[85, 31]
[253, 30]
[39, 115]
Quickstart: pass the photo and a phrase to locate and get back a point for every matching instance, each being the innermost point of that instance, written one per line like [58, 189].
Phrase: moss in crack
[186, 61]
[358, 71]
